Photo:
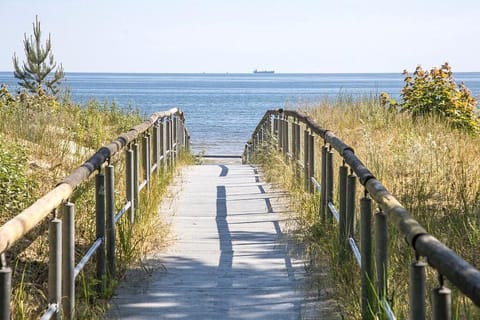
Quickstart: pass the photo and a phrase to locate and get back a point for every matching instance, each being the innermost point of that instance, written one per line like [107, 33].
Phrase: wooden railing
[284, 128]
[169, 137]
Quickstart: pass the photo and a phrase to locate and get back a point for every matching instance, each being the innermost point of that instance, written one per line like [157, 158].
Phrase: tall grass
[43, 140]
[434, 172]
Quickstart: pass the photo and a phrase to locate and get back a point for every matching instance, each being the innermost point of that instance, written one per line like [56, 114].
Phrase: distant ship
[263, 71]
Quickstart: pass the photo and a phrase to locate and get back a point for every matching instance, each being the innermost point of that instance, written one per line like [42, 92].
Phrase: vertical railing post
[146, 159]
[311, 161]
[329, 181]
[68, 261]
[162, 143]
[441, 302]
[110, 210]
[55, 264]
[136, 174]
[342, 186]
[5, 288]
[130, 181]
[368, 294]
[100, 230]
[280, 133]
[381, 254]
[417, 290]
[306, 158]
[297, 153]
[156, 145]
[285, 138]
[168, 150]
[323, 185]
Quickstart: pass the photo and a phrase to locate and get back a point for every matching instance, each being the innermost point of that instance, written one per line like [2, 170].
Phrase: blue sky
[239, 36]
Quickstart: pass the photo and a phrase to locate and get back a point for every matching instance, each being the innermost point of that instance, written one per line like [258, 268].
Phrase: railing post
[168, 141]
[342, 185]
[146, 159]
[311, 161]
[285, 139]
[350, 212]
[68, 261]
[130, 181]
[368, 294]
[5, 288]
[417, 290]
[306, 158]
[100, 230]
[136, 174]
[163, 155]
[55, 264]
[329, 181]
[441, 302]
[110, 208]
[381, 253]
[280, 133]
[323, 185]
[156, 145]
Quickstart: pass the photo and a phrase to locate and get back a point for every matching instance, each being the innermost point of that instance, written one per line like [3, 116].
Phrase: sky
[216, 36]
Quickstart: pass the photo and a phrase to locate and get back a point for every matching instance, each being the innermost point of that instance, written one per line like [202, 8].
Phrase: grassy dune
[432, 169]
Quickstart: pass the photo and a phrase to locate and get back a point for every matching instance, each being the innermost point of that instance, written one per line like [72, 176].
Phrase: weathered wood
[230, 258]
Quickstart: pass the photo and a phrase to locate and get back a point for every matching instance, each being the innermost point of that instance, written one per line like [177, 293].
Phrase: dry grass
[435, 173]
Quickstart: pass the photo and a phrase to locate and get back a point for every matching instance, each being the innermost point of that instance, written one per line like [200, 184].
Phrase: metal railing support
[368, 293]
[417, 290]
[68, 261]
[323, 185]
[329, 181]
[342, 186]
[100, 231]
[441, 302]
[130, 182]
[136, 174]
[311, 162]
[5, 288]
[55, 264]
[381, 250]
[110, 212]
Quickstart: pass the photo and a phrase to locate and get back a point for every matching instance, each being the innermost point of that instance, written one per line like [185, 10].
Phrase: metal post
[368, 294]
[342, 185]
[100, 230]
[311, 161]
[5, 288]
[130, 182]
[350, 212]
[68, 261]
[55, 264]
[156, 145]
[329, 181]
[323, 185]
[136, 174]
[381, 238]
[441, 302]
[110, 211]
[417, 290]
[306, 157]
[146, 158]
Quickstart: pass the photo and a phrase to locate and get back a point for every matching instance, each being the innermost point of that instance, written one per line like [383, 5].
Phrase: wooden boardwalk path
[230, 258]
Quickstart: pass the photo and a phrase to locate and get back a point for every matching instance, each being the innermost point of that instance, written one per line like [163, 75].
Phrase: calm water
[223, 109]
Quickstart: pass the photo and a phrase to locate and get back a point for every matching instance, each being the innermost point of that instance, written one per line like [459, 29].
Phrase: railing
[169, 137]
[286, 127]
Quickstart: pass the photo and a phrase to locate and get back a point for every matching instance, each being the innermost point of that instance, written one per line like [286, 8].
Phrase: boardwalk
[229, 260]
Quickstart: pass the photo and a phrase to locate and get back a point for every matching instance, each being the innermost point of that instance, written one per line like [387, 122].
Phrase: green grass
[42, 141]
[431, 169]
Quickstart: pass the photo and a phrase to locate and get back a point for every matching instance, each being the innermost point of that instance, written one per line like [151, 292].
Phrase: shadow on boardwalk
[230, 260]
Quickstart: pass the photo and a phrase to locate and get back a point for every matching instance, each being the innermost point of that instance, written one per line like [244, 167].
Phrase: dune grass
[432, 169]
[43, 140]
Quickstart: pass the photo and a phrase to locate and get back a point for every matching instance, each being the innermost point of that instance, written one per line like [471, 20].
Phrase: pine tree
[34, 73]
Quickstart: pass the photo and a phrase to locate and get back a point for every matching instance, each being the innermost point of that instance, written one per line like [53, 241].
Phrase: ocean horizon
[222, 109]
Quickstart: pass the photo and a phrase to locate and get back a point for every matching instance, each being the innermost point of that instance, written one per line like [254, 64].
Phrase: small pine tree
[34, 73]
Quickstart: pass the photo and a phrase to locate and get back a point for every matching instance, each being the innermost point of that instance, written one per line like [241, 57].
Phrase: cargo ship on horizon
[263, 71]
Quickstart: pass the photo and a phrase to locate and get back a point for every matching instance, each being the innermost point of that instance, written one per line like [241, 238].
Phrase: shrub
[435, 92]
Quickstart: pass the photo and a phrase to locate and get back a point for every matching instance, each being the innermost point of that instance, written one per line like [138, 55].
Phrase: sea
[222, 110]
